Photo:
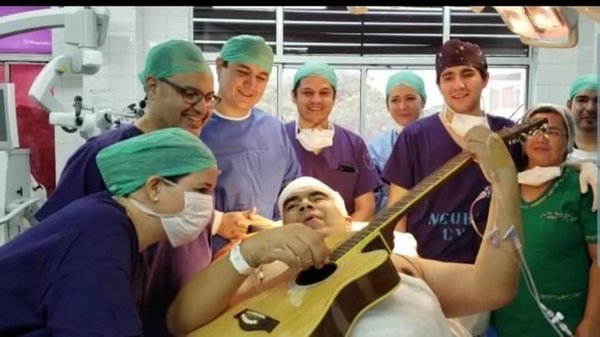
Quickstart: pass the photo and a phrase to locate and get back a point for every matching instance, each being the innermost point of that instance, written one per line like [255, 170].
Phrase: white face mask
[462, 123]
[538, 175]
[315, 140]
[185, 226]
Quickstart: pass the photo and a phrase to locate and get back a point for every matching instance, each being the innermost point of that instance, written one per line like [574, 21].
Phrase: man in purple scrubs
[179, 87]
[440, 222]
[327, 151]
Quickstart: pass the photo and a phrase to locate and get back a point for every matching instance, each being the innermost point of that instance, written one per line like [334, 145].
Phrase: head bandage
[171, 58]
[125, 166]
[314, 184]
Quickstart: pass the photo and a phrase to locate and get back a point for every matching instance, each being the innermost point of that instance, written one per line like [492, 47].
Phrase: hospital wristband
[238, 262]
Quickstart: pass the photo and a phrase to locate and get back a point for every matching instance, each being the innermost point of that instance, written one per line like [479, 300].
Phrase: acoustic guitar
[326, 302]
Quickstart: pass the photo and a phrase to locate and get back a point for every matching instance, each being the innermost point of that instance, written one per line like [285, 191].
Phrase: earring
[155, 199]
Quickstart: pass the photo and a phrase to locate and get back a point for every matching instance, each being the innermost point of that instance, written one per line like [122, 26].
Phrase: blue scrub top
[256, 160]
[380, 149]
[74, 274]
[81, 176]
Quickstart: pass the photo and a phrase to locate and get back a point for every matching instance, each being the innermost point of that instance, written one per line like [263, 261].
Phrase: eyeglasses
[550, 132]
[193, 96]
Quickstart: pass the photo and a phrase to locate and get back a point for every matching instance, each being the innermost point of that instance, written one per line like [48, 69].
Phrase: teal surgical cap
[171, 58]
[584, 83]
[407, 78]
[316, 69]
[248, 49]
[125, 166]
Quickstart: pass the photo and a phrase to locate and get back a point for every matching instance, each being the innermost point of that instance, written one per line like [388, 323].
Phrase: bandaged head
[587, 82]
[248, 49]
[316, 69]
[458, 53]
[171, 58]
[409, 79]
[311, 183]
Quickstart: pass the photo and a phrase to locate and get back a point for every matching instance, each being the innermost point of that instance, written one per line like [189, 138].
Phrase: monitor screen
[9, 136]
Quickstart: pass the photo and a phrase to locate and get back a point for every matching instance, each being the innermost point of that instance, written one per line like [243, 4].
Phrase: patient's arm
[492, 281]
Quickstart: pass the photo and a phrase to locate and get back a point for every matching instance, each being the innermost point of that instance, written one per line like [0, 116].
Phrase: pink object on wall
[34, 42]
[35, 131]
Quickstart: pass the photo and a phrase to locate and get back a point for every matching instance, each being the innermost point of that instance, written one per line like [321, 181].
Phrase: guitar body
[325, 307]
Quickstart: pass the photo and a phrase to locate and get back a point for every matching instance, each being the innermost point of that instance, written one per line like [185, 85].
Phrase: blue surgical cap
[171, 58]
[316, 69]
[584, 83]
[125, 166]
[407, 78]
[248, 49]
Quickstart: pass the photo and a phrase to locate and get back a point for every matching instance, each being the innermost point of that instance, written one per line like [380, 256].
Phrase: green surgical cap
[316, 69]
[171, 58]
[125, 166]
[584, 83]
[248, 49]
[407, 78]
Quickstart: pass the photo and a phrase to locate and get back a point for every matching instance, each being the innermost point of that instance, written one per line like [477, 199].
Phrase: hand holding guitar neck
[490, 152]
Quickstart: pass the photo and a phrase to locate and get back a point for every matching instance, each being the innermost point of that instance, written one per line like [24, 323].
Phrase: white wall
[132, 31]
[558, 68]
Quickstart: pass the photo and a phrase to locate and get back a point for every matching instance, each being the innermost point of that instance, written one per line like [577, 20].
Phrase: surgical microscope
[86, 29]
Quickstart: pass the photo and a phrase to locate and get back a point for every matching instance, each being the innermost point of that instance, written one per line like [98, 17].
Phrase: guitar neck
[385, 221]
[390, 216]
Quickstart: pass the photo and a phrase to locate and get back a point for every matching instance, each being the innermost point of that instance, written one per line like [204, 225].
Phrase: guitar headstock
[519, 131]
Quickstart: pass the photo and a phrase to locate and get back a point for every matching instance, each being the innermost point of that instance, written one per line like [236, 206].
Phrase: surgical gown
[75, 273]
[256, 161]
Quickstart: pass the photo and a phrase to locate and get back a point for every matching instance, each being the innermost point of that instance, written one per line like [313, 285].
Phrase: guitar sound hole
[314, 275]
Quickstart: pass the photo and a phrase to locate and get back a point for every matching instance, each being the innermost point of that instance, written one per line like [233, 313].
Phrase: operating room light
[542, 26]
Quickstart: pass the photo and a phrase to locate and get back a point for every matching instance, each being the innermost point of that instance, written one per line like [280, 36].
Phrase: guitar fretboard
[398, 210]
[390, 216]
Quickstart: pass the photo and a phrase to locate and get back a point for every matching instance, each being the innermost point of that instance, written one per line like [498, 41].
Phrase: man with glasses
[179, 89]
[252, 148]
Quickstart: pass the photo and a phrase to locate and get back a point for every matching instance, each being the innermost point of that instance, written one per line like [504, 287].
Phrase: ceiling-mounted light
[542, 26]
[592, 12]
[357, 10]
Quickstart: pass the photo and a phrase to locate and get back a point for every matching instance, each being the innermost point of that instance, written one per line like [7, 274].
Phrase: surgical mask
[185, 226]
[462, 123]
[538, 175]
[313, 139]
